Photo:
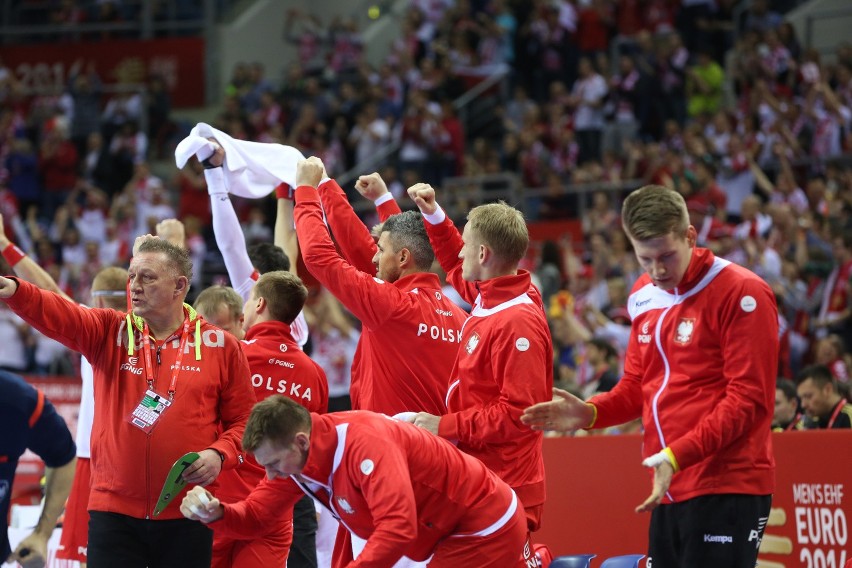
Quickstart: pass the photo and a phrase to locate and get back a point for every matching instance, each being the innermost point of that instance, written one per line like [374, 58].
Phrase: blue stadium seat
[626, 561]
[573, 561]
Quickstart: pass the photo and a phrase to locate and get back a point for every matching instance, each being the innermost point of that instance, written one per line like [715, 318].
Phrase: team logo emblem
[345, 506]
[367, 467]
[748, 304]
[684, 331]
[522, 344]
[438, 296]
[283, 348]
[472, 343]
[133, 360]
[645, 327]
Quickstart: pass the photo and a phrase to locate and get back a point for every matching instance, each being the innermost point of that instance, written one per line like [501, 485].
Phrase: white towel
[252, 169]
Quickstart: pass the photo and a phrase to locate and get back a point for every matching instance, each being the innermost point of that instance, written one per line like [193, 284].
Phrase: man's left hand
[663, 473]
[205, 469]
[427, 422]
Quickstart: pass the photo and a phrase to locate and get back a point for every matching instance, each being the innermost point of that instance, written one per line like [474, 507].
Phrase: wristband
[13, 254]
[283, 191]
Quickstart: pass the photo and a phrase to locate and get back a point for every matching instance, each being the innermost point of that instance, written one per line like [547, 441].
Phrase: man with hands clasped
[700, 371]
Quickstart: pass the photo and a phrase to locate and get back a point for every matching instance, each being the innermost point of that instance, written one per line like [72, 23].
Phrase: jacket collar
[324, 442]
[701, 261]
[418, 280]
[276, 329]
[495, 291]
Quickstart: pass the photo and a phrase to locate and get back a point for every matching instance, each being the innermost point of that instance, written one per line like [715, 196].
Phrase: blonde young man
[505, 358]
[700, 371]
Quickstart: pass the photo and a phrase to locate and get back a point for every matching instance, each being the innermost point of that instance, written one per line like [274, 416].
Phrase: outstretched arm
[226, 228]
[26, 267]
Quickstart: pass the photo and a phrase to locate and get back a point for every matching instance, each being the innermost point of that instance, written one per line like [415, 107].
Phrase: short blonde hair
[502, 228]
[111, 284]
[654, 211]
[209, 300]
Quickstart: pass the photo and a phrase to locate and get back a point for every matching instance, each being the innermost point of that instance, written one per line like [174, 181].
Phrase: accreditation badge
[148, 411]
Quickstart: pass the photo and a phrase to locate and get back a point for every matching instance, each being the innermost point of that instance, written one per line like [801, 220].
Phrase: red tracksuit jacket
[128, 465]
[504, 365]
[278, 366]
[700, 370]
[410, 331]
[391, 483]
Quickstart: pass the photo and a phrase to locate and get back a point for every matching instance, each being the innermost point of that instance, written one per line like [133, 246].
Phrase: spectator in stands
[85, 90]
[822, 402]
[58, 168]
[587, 99]
[787, 415]
[835, 313]
[704, 86]
[602, 358]
[830, 351]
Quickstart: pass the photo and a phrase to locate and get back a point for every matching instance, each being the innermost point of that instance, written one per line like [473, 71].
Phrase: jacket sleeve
[523, 377]
[235, 404]
[74, 326]
[368, 298]
[749, 342]
[352, 236]
[447, 243]
[248, 518]
[390, 497]
[229, 234]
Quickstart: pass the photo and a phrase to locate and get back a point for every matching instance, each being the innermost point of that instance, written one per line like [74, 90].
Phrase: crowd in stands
[749, 125]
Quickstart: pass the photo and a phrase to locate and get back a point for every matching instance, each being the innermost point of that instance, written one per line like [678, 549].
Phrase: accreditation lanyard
[836, 413]
[792, 425]
[149, 364]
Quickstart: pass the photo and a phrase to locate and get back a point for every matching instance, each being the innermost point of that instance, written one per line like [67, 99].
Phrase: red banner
[595, 482]
[64, 393]
[180, 61]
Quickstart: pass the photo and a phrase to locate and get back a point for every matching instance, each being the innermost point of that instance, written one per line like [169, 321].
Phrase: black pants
[303, 551]
[119, 541]
[709, 531]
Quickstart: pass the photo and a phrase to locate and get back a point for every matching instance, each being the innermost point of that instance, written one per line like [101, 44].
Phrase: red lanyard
[792, 425]
[836, 413]
[149, 364]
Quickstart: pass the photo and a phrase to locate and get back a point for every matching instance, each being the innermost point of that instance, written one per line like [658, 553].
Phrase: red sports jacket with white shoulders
[700, 370]
[389, 482]
[410, 331]
[278, 366]
[504, 364]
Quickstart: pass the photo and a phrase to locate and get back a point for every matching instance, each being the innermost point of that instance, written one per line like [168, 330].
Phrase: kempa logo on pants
[720, 538]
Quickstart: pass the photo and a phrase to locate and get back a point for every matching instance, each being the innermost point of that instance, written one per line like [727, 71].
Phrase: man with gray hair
[166, 384]
[411, 331]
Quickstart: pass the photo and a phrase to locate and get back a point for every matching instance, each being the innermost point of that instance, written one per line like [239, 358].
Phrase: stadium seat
[626, 561]
[573, 561]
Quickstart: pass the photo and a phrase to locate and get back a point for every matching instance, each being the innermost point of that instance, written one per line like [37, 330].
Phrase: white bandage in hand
[405, 416]
[199, 511]
[657, 459]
